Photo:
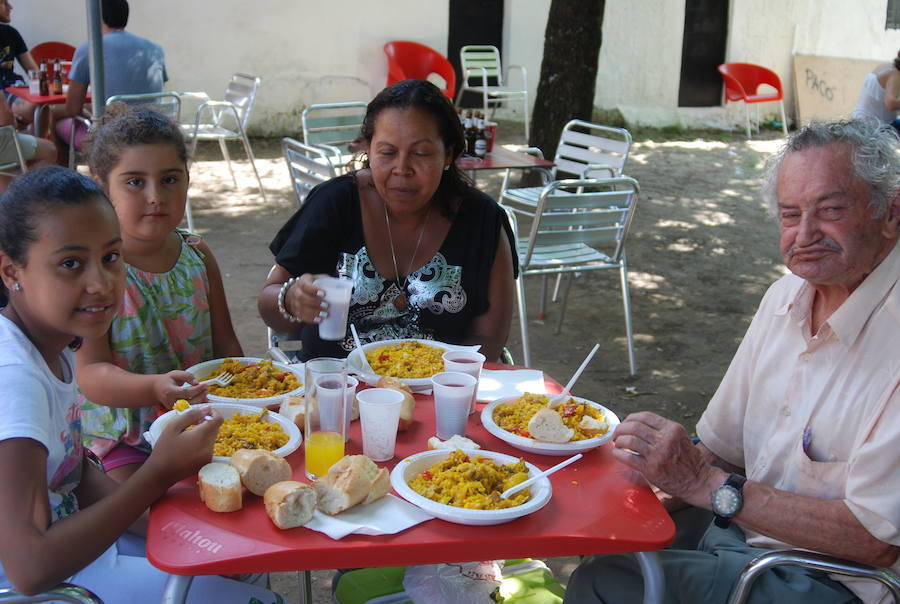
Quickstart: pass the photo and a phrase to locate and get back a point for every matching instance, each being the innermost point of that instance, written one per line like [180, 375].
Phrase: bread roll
[220, 487]
[409, 402]
[352, 480]
[454, 442]
[290, 503]
[260, 469]
[592, 427]
[546, 425]
[293, 408]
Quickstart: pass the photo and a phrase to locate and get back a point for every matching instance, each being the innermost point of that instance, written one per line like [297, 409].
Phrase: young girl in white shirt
[62, 517]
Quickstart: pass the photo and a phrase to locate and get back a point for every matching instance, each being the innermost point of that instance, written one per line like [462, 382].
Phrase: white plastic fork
[527, 483]
[223, 379]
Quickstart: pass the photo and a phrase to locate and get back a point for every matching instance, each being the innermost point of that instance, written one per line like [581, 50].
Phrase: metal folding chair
[64, 592]
[16, 167]
[307, 166]
[577, 225]
[226, 120]
[333, 127]
[480, 62]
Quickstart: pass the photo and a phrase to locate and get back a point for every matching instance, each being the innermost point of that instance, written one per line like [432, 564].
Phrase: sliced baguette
[220, 487]
[408, 407]
[546, 425]
[592, 427]
[290, 503]
[293, 408]
[352, 480]
[260, 469]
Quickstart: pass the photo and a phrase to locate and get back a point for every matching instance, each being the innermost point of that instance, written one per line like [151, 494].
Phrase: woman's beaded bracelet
[281, 294]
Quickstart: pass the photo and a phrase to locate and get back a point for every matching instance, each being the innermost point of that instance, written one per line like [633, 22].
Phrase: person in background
[36, 152]
[798, 447]
[430, 256]
[131, 64]
[63, 519]
[174, 313]
[880, 94]
[12, 49]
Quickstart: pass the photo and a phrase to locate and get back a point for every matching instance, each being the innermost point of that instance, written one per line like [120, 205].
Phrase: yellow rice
[514, 416]
[248, 432]
[407, 359]
[473, 483]
[256, 380]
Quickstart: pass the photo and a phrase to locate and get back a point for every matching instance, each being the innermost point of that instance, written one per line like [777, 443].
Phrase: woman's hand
[168, 388]
[305, 301]
[180, 452]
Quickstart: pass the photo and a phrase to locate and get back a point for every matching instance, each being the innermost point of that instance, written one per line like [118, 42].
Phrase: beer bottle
[44, 83]
[57, 78]
[470, 133]
[480, 139]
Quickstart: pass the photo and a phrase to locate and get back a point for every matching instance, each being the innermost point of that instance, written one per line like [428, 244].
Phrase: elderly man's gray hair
[874, 153]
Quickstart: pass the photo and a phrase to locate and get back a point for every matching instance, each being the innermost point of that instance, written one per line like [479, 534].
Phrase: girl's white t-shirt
[35, 404]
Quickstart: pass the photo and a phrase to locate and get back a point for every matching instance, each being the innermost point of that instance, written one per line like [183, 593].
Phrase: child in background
[173, 315]
[62, 281]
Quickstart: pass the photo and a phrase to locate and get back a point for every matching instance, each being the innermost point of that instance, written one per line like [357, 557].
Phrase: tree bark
[568, 70]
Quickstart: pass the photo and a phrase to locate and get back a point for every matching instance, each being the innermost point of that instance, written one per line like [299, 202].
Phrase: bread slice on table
[220, 487]
[592, 427]
[408, 407]
[259, 469]
[290, 503]
[546, 425]
[293, 407]
[352, 480]
[454, 442]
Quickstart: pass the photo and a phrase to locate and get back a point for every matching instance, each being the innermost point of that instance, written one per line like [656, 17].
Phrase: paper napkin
[502, 383]
[387, 516]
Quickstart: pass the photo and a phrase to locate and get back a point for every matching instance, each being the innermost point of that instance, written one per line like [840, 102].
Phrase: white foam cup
[379, 413]
[337, 294]
[349, 398]
[453, 393]
[465, 361]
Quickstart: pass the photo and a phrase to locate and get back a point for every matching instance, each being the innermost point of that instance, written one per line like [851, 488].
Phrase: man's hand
[666, 457]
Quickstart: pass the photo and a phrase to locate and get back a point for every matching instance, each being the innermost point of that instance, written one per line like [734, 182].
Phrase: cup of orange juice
[325, 410]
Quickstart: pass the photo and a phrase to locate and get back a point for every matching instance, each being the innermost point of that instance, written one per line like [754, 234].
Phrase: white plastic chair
[307, 166]
[226, 120]
[480, 62]
[812, 560]
[18, 166]
[578, 225]
[333, 127]
[64, 592]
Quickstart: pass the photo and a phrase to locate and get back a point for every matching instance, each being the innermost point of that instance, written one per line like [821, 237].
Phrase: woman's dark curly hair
[123, 126]
[426, 97]
[897, 61]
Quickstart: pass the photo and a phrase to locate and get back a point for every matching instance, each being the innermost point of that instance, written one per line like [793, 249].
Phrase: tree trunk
[568, 70]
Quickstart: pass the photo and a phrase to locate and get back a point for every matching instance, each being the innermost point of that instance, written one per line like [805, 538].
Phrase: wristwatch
[727, 500]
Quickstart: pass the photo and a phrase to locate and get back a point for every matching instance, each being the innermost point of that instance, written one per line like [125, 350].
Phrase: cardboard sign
[828, 87]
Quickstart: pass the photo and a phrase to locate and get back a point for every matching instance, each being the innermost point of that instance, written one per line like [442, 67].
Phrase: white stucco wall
[310, 51]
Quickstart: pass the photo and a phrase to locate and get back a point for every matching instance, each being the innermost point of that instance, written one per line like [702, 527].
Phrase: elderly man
[799, 445]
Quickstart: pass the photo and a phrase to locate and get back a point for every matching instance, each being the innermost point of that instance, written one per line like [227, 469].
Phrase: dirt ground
[701, 254]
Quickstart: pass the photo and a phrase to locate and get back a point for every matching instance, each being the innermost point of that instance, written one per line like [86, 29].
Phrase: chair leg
[783, 119]
[527, 131]
[485, 97]
[249, 151]
[224, 147]
[626, 306]
[747, 119]
[459, 95]
[555, 297]
[523, 319]
[542, 308]
[570, 277]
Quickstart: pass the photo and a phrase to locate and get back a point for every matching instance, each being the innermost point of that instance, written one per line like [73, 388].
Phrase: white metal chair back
[476, 59]
[577, 225]
[307, 166]
[241, 92]
[16, 166]
[482, 73]
[166, 103]
[586, 148]
[333, 124]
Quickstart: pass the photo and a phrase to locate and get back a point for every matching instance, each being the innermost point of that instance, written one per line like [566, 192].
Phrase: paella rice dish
[408, 359]
[248, 432]
[472, 482]
[514, 416]
[256, 380]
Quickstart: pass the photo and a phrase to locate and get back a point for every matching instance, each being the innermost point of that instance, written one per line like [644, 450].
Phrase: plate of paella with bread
[254, 381]
[549, 425]
[412, 361]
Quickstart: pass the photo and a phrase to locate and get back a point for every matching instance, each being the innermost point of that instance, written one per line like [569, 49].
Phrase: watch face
[726, 501]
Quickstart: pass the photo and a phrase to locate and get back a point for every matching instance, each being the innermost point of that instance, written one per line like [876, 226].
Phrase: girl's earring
[17, 286]
[447, 167]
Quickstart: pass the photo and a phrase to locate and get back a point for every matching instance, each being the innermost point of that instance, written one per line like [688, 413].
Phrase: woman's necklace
[401, 302]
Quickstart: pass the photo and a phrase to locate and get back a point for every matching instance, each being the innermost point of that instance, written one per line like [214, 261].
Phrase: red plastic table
[598, 506]
[40, 101]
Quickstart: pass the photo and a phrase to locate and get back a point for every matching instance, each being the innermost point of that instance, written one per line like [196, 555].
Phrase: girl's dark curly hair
[123, 126]
[897, 61]
[426, 97]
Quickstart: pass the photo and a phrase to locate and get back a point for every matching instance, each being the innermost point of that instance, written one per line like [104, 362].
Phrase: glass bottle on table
[57, 78]
[480, 138]
[44, 85]
[470, 133]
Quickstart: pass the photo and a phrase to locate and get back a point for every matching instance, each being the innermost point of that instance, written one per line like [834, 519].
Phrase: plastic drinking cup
[453, 393]
[325, 413]
[350, 398]
[379, 413]
[34, 81]
[465, 361]
[337, 294]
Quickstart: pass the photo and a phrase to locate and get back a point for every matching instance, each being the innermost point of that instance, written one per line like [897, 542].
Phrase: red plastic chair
[742, 81]
[414, 61]
[52, 50]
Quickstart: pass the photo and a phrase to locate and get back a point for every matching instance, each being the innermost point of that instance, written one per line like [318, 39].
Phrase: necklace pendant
[400, 302]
